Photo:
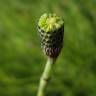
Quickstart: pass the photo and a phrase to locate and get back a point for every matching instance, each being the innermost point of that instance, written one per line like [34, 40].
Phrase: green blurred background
[22, 60]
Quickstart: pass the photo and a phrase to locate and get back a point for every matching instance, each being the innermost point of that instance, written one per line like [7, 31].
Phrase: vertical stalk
[46, 76]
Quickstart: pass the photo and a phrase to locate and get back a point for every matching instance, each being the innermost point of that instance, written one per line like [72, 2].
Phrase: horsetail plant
[51, 31]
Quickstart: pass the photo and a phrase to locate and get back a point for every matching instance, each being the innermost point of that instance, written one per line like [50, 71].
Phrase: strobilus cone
[51, 31]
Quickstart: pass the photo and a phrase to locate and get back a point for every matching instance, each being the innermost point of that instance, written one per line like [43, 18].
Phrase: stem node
[46, 76]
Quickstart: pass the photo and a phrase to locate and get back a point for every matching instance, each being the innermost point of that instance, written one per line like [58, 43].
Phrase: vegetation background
[21, 58]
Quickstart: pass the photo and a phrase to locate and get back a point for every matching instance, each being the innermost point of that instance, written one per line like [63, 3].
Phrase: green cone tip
[50, 22]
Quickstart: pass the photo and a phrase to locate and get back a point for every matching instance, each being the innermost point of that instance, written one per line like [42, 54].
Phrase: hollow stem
[46, 76]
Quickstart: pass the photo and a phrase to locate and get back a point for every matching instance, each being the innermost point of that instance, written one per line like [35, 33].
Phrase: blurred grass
[22, 61]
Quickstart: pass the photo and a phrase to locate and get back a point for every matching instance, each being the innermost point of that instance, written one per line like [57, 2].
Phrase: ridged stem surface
[46, 76]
